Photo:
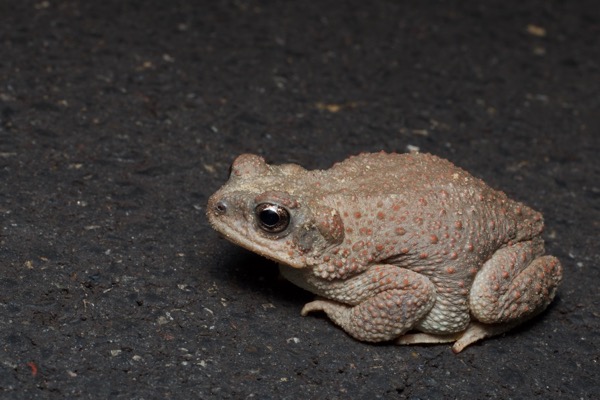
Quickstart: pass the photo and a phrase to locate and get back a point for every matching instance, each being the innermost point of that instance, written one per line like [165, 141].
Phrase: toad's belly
[449, 314]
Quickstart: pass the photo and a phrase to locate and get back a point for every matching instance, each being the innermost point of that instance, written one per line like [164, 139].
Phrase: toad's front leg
[378, 305]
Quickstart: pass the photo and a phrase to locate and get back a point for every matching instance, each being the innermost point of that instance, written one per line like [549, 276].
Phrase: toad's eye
[272, 218]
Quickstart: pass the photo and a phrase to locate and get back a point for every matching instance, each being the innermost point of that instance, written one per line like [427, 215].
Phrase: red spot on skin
[357, 214]
[326, 258]
[349, 230]
[453, 255]
[358, 245]
[422, 202]
[423, 256]
[380, 215]
[396, 207]
[433, 239]
[519, 210]
[450, 270]
[470, 247]
[404, 250]
[33, 367]
[458, 225]
[379, 247]
[400, 231]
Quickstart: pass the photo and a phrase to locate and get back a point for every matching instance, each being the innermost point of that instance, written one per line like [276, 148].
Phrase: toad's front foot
[319, 304]
[385, 302]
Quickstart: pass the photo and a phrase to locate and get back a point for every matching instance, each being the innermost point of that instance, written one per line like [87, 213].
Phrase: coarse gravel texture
[118, 119]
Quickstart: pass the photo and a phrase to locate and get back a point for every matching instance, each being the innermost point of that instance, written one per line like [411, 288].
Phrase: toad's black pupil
[272, 218]
[269, 217]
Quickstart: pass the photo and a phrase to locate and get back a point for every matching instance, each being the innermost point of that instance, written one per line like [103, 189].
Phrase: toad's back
[426, 186]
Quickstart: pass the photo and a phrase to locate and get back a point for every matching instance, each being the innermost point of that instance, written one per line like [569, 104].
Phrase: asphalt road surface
[118, 119]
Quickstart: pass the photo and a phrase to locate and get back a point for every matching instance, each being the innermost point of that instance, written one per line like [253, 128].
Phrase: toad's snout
[220, 207]
[217, 206]
[226, 208]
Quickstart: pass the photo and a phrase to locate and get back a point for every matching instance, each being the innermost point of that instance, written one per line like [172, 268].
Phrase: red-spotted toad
[393, 243]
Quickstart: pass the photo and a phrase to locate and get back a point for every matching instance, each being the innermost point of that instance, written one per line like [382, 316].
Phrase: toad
[398, 247]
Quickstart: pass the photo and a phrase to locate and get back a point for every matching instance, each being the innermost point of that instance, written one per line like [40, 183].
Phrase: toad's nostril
[221, 207]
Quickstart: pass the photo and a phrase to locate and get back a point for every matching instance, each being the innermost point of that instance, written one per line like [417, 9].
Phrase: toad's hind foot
[477, 331]
[426, 338]
[474, 332]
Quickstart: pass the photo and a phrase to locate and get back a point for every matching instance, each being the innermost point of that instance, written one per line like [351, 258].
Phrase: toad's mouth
[267, 248]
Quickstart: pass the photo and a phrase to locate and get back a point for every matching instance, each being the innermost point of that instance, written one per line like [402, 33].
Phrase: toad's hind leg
[515, 284]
